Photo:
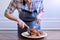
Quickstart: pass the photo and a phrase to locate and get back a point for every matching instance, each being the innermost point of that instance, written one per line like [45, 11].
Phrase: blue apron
[29, 19]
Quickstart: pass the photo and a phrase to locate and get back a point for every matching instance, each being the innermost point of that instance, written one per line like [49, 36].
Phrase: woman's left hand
[38, 20]
[38, 17]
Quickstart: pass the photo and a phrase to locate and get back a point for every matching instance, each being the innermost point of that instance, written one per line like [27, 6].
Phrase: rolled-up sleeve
[11, 7]
[39, 5]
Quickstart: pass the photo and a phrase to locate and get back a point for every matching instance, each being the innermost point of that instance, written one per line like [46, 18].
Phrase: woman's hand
[21, 23]
[38, 17]
[38, 20]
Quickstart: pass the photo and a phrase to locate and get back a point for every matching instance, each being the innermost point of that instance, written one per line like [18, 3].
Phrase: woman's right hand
[21, 23]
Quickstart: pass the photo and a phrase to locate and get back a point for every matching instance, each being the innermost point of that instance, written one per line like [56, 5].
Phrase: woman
[30, 12]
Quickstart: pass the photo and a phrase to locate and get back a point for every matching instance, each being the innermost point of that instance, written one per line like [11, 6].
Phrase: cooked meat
[35, 32]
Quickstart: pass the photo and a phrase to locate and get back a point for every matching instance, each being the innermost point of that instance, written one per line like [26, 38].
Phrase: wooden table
[13, 35]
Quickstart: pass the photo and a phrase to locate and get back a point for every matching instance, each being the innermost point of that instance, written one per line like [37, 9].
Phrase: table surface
[13, 35]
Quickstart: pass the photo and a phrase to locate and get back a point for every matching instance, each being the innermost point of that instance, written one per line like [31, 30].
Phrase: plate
[26, 34]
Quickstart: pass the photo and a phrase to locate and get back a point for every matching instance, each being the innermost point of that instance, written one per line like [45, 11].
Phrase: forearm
[11, 17]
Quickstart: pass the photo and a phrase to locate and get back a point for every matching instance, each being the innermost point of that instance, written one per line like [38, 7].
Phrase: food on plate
[35, 32]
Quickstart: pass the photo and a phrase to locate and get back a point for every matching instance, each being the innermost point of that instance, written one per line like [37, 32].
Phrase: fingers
[38, 21]
[21, 24]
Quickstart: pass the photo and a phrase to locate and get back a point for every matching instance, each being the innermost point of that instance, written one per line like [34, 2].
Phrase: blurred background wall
[50, 19]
